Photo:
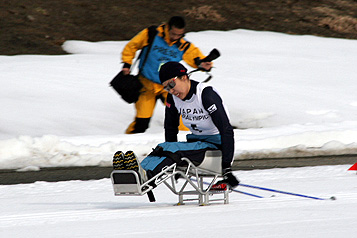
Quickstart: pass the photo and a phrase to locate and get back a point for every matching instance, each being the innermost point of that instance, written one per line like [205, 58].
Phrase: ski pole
[283, 192]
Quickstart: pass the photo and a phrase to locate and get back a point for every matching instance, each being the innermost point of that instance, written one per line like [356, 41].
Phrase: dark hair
[177, 21]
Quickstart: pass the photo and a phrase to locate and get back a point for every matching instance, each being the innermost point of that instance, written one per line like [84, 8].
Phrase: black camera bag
[128, 86]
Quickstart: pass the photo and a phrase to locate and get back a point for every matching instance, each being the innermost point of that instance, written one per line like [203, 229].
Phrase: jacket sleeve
[136, 43]
[172, 120]
[210, 99]
[191, 53]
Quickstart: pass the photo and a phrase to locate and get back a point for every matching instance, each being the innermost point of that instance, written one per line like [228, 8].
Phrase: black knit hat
[171, 70]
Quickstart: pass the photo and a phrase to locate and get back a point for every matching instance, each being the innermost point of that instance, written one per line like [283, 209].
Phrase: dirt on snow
[42, 26]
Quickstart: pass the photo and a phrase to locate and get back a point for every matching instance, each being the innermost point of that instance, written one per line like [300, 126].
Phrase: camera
[214, 54]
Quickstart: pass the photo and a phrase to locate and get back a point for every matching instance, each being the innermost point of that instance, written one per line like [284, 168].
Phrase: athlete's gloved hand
[229, 178]
[126, 69]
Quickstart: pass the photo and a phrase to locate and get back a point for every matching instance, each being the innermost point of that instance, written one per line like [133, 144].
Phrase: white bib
[194, 116]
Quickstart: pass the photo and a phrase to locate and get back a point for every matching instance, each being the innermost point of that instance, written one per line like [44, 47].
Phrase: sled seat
[127, 182]
[197, 180]
[212, 163]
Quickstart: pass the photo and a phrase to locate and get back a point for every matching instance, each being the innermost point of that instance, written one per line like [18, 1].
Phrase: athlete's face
[178, 86]
[176, 33]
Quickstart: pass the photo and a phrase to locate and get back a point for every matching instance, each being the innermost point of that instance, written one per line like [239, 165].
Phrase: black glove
[229, 178]
[126, 65]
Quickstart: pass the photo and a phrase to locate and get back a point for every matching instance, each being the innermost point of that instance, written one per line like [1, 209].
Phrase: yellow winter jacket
[141, 40]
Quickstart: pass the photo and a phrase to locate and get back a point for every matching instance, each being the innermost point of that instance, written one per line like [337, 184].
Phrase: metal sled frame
[127, 182]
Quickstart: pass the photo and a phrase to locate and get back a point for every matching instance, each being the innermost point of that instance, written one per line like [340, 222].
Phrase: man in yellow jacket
[159, 45]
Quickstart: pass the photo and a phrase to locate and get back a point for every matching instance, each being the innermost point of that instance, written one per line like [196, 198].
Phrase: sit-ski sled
[127, 182]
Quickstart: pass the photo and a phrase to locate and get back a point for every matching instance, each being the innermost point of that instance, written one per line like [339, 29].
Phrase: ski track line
[158, 210]
[72, 215]
[98, 214]
[247, 228]
[141, 210]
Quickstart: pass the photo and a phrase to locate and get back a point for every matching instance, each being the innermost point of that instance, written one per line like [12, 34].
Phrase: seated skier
[203, 112]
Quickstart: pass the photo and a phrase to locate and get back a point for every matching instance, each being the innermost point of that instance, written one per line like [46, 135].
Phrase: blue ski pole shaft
[235, 190]
[279, 191]
[245, 193]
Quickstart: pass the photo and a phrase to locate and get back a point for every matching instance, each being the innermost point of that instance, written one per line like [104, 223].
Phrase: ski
[235, 190]
[245, 193]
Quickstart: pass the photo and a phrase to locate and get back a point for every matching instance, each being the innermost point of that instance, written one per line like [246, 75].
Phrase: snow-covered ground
[286, 94]
[89, 209]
